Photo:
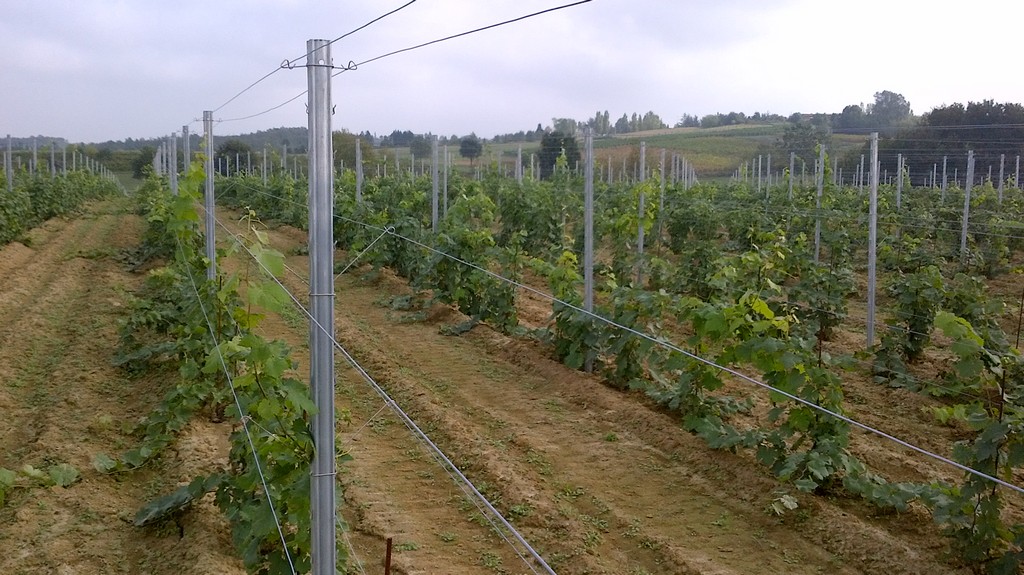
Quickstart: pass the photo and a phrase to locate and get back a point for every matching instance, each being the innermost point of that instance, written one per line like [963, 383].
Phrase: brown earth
[597, 480]
[62, 402]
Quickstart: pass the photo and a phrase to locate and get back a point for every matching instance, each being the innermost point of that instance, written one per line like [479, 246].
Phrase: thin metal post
[35, 157]
[1002, 166]
[8, 167]
[264, 168]
[1016, 175]
[208, 198]
[172, 162]
[519, 163]
[444, 190]
[321, 263]
[186, 148]
[661, 200]
[820, 180]
[967, 206]
[434, 185]
[945, 180]
[792, 164]
[872, 239]
[588, 230]
[359, 172]
[899, 181]
[640, 218]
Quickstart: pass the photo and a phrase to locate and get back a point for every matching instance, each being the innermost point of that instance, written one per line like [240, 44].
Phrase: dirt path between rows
[63, 402]
[597, 481]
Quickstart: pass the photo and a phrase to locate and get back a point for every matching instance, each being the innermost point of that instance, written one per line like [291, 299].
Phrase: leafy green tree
[471, 148]
[345, 150]
[890, 109]
[421, 146]
[229, 152]
[551, 147]
[142, 159]
[803, 138]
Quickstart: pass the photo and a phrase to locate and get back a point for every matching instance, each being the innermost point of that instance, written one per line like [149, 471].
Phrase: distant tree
[622, 125]
[711, 121]
[688, 121]
[471, 147]
[651, 121]
[230, 152]
[421, 146]
[941, 133]
[564, 125]
[552, 146]
[802, 138]
[142, 160]
[890, 109]
[851, 118]
[344, 145]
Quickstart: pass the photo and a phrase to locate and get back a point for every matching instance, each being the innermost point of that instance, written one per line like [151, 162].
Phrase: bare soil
[597, 480]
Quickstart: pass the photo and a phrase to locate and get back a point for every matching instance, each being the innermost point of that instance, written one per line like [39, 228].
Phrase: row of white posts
[750, 172]
[87, 163]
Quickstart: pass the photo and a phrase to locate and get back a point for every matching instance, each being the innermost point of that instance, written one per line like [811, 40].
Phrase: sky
[98, 70]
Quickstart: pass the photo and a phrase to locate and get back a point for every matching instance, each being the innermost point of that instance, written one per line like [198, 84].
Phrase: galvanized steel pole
[872, 239]
[967, 206]
[186, 159]
[321, 346]
[817, 206]
[208, 197]
[9, 167]
[434, 185]
[1002, 167]
[588, 228]
[172, 163]
[359, 172]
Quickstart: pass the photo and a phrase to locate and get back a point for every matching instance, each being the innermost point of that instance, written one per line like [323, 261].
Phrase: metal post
[208, 197]
[35, 157]
[519, 163]
[1002, 166]
[588, 229]
[967, 206]
[792, 164]
[264, 168]
[820, 179]
[8, 167]
[1016, 174]
[186, 148]
[942, 196]
[640, 218]
[434, 185]
[661, 200]
[872, 239]
[359, 172]
[444, 190]
[321, 346]
[172, 145]
[899, 181]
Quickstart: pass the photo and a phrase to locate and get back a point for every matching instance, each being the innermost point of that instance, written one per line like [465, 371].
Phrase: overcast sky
[95, 70]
